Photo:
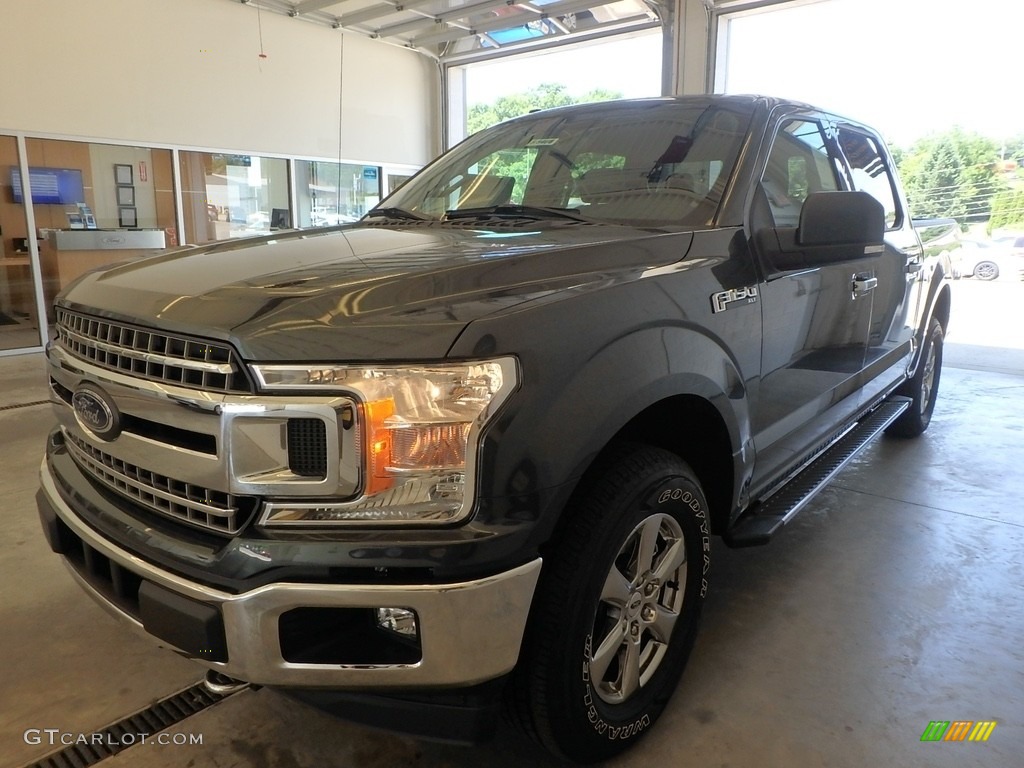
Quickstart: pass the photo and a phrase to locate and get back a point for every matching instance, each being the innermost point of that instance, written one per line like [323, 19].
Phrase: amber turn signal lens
[378, 438]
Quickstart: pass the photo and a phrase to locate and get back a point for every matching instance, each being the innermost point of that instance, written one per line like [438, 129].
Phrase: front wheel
[986, 270]
[923, 388]
[617, 607]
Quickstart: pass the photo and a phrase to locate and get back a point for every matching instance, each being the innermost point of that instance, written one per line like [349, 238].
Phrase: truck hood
[363, 292]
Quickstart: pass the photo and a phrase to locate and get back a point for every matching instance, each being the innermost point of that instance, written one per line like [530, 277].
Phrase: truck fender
[602, 396]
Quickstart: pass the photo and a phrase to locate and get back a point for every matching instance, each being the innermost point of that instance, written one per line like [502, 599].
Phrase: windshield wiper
[396, 213]
[515, 211]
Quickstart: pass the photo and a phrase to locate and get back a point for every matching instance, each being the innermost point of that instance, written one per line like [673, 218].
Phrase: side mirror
[834, 227]
[841, 218]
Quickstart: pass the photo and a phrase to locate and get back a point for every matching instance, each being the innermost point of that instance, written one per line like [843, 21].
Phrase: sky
[580, 68]
[906, 67]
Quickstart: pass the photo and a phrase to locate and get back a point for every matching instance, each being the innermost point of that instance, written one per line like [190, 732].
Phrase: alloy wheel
[639, 605]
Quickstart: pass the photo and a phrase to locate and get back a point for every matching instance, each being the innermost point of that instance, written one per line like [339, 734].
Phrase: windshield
[657, 163]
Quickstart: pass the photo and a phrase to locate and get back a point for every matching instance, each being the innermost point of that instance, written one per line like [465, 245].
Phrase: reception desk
[69, 253]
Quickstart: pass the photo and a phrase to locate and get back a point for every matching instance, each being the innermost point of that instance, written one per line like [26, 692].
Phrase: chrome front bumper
[470, 632]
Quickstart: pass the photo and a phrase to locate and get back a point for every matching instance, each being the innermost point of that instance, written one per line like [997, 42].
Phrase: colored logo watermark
[958, 730]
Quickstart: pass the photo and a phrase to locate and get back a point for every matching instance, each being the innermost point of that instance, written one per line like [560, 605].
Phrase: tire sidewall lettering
[689, 499]
[597, 722]
[681, 495]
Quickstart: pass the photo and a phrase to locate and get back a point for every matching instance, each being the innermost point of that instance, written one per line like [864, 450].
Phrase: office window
[226, 196]
[335, 193]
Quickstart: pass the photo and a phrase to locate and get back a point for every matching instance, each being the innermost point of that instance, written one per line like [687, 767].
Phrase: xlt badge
[724, 300]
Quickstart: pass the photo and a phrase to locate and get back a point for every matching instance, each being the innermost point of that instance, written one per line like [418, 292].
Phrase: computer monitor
[279, 218]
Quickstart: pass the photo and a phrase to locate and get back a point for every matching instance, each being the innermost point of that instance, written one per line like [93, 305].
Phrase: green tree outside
[544, 96]
[953, 174]
[517, 163]
[1007, 210]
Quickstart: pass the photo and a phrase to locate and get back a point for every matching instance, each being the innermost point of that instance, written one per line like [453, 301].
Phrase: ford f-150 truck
[467, 454]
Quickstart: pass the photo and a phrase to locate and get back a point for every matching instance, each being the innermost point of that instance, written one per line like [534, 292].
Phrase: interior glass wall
[19, 326]
[96, 204]
[226, 196]
[334, 193]
[395, 180]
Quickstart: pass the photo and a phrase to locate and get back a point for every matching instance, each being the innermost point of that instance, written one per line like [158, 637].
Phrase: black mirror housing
[841, 218]
[834, 227]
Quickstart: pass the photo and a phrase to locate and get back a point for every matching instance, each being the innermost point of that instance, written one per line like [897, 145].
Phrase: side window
[798, 165]
[869, 172]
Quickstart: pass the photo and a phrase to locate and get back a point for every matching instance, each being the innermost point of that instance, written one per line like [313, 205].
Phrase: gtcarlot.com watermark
[55, 737]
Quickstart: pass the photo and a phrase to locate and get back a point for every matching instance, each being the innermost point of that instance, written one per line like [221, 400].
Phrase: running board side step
[757, 525]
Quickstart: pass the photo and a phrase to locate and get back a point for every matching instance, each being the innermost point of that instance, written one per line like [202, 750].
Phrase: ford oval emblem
[96, 412]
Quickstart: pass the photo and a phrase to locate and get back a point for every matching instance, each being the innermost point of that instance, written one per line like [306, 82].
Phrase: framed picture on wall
[123, 174]
[127, 218]
[126, 196]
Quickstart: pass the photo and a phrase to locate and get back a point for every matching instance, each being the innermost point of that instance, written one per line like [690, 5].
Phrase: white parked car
[989, 259]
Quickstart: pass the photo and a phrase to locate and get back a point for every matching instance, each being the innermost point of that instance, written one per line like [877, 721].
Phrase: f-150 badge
[724, 300]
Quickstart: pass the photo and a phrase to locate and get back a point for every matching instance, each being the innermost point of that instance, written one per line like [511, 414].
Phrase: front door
[818, 321]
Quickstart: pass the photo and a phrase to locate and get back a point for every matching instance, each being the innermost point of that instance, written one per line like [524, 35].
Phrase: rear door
[899, 299]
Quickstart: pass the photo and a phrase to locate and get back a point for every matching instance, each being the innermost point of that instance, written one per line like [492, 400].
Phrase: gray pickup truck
[467, 454]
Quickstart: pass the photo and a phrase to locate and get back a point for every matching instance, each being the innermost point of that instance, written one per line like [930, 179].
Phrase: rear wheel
[617, 608]
[923, 388]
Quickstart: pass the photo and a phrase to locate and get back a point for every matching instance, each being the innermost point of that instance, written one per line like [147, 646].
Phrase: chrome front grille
[193, 504]
[152, 355]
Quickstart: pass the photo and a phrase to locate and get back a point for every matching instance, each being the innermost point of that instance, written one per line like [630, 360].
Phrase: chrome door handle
[864, 284]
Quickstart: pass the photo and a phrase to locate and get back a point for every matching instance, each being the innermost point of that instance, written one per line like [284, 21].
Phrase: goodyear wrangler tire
[617, 608]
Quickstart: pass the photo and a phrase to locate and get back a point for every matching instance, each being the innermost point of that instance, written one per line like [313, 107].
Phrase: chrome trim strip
[63, 360]
[470, 631]
[149, 357]
[98, 469]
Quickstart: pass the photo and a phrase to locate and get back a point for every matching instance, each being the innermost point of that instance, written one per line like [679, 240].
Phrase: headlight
[419, 431]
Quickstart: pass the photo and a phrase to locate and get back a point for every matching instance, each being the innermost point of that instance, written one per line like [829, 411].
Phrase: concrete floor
[893, 600]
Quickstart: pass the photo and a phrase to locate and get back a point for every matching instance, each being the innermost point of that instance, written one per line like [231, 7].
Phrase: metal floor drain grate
[110, 740]
[23, 405]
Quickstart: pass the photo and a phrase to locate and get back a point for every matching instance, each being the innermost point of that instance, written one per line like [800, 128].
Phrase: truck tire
[923, 388]
[617, 607]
